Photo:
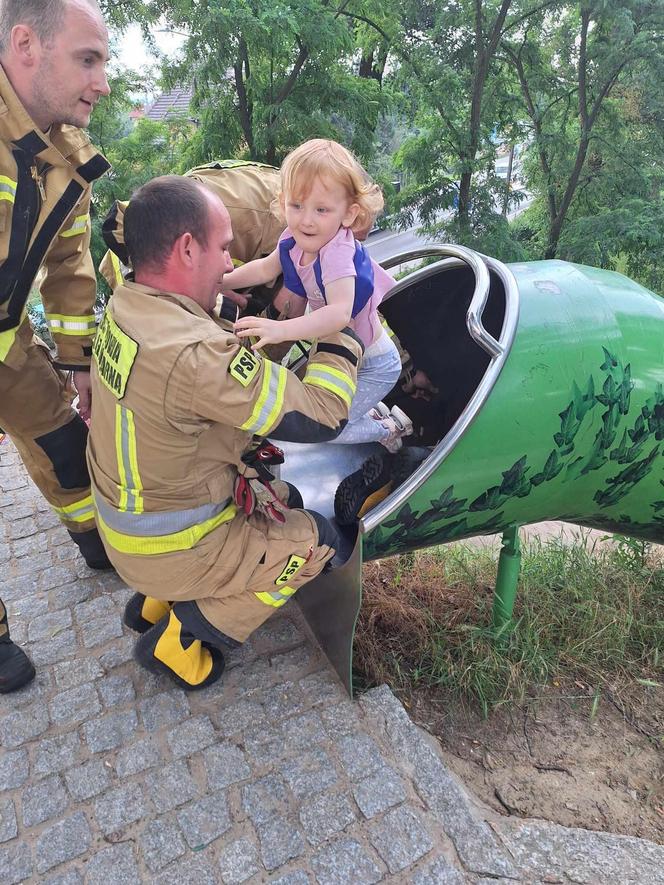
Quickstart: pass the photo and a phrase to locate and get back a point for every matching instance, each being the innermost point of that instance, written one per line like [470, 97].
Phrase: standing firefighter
[176, 469]
[53, 55]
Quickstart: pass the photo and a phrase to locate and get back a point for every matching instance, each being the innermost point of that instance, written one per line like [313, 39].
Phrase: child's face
[315, 218]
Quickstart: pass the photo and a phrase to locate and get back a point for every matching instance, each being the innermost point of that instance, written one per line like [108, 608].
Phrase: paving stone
[23, 726]
[161, 844]
[31, 566]
[34, 608]
[283, 701]
[400, 838]
[302, 732]
[116, 690]
[171, 786]
[192, 869]
[8, 823]
[359, 755]
[94, 609]
[203, 821]
[115, 865]
[27, 546]
[345, 861]
[190, 736]
[46, 626]
[64, 841]
[35, 693]
[118, 807]
[265, 798]
[15, 864]
[379, 792]
[47, 520]
[120, 652]
[549, 851]
[88, 780]
[310, 772]
[290, 664]
[280, 841]
[441, 872]
[225, 764]
[70, 877]
[19, 586]
[325, 816]
[102, 630]
[278, 632]
[238, 862]
[265, 742]
[295, 878]
[473, 839]
[70, 594]
[56, 753]
[110, 731]
[22, 528]
[73, 706]
[239, 716]
[55, 576]
[322, 688]
[43, 800]
[137, 757]
[57, 649]
[69, 674]
[164, 709]
[247, 676]
[15, 766]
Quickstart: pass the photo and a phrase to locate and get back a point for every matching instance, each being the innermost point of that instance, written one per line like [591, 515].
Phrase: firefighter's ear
[25, 45]
[183, 248]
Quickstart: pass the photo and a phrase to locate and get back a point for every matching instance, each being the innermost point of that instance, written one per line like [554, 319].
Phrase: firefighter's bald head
[177, 234]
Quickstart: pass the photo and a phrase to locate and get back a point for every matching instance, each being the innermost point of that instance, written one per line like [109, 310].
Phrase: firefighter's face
[70, 76]
[212, 261]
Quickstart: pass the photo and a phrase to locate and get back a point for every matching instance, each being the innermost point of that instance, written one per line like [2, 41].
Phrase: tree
[568, 68]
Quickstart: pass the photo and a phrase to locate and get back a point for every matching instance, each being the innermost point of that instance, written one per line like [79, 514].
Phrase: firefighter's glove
[253, 487]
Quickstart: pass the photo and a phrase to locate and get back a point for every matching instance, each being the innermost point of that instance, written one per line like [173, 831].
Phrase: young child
[327, 197]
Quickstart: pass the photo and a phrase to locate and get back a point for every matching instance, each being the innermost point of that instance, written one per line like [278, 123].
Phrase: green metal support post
[509, 565]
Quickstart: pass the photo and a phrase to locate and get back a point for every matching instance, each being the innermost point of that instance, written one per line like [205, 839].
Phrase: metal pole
[509, 564]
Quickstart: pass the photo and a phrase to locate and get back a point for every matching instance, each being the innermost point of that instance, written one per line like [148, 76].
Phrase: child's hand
[267, 331]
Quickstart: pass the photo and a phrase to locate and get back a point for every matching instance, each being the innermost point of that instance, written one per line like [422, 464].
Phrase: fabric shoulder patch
[114, 353]
[244, 366]
[293, 566]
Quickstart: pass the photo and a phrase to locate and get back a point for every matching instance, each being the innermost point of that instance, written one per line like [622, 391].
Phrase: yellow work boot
[143, 612]
[170, 648]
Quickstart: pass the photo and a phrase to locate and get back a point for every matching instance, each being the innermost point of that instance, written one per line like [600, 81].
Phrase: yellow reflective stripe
[237, 262]
[276, 598]
[334, 380]
[131, 485]
[79, 511]
[72, 325]
[7, 189]
[269, 404]
[389, 331]
[117, 270]
[7, 337]
[154, 544]
[78, 227]
[193, 664]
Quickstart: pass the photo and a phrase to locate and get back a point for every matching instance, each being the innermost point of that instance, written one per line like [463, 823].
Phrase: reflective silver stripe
[129, 481]
[5, 187]
[331, 378]
[83, 324]
[267, 398]
[148, 525]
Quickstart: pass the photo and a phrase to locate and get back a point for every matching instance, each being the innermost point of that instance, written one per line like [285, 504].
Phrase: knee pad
[65, 449]
[327, 534]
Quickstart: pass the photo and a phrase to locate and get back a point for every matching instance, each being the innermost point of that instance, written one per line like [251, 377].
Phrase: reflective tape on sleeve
[276, 598]
[7, 189]
[79, 511]
[334, 380]
[72, 325]
[78, 227]
[269, 404]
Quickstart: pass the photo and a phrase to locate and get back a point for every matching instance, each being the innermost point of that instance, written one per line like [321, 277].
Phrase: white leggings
[378, 374]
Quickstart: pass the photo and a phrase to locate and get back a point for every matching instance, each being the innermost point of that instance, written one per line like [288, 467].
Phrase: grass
[591, 612]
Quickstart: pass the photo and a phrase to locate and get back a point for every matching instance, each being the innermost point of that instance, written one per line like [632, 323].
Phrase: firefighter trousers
[36, 413]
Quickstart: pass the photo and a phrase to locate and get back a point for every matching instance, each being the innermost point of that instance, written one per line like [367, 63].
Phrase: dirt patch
[563, 757]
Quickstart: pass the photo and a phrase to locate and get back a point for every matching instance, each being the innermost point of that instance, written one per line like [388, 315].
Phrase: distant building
[171, 104]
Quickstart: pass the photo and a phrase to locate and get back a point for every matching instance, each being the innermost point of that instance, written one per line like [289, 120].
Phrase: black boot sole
[132, 616]
[16, 668]
[362, 490]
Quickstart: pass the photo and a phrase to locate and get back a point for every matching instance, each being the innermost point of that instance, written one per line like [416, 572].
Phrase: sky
[133, 53]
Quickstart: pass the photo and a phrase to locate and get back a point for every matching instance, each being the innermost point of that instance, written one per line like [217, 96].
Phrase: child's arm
[262, 270]
[334, 317]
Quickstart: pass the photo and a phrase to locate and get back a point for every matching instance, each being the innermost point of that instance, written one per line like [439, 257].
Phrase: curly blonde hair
[331, 161]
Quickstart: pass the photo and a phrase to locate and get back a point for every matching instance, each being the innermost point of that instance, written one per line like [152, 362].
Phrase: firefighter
[52, 73]
[180, 472]
[249, 191]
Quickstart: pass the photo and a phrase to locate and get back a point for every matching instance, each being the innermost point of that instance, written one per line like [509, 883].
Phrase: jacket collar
[17, 126]
[183, 301]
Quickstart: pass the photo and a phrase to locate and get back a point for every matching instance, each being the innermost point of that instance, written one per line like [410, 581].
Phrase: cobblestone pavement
[110, 775]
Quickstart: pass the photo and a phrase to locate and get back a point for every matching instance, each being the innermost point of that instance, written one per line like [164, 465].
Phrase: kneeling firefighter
[179, 471]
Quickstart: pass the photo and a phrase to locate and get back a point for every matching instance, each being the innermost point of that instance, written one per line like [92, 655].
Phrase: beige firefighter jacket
[247, 189]
[46, 180]
[176, 400]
